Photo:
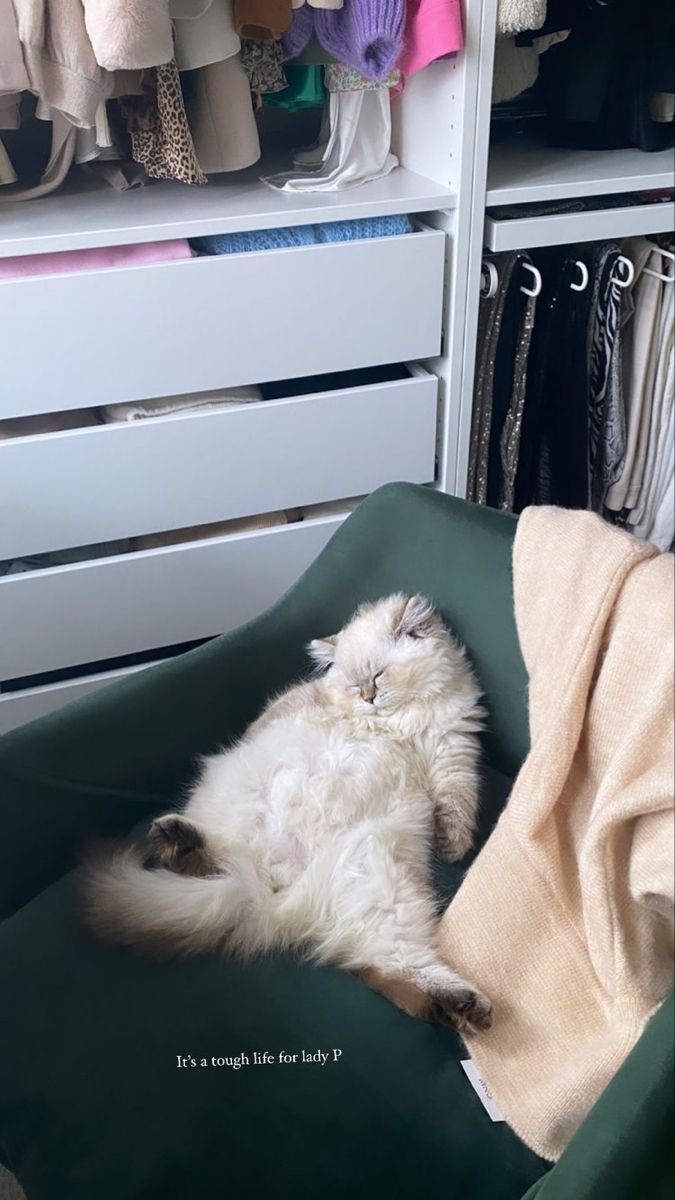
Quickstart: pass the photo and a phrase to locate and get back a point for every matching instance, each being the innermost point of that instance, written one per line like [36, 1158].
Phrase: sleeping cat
[314, 831]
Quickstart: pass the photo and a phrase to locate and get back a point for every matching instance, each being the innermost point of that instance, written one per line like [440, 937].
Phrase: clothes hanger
[626, 263]
[535, 290]
[659, 274]
[489, 280]
[583, 270]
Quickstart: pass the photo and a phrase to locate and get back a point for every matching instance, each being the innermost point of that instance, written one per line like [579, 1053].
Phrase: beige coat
[565, 919]
[13, 76]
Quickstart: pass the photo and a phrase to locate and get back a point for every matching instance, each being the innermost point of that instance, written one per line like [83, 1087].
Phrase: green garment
[93, 1104]
[305, 90]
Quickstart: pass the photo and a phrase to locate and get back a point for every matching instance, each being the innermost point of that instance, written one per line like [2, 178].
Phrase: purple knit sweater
[365, 34]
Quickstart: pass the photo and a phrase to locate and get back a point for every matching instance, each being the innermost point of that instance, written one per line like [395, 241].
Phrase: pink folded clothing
[63, 262]
[433, 29]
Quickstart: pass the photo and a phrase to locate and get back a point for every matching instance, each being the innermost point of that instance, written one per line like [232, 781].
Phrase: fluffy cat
[315, 830]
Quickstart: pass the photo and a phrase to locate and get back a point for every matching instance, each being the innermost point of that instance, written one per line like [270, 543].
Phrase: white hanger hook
[583, 270]
[535, 290]
[622, 261]
[489, 280]
[659, 274]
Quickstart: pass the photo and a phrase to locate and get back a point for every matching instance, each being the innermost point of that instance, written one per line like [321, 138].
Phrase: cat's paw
[175, 843]
[465, 1009]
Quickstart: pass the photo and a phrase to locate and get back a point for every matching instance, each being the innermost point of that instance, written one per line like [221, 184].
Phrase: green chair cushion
[94, 1107]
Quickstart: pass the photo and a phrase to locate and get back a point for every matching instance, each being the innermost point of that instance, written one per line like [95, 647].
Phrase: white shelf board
[88, 213]
[526, 172]
[527, 233]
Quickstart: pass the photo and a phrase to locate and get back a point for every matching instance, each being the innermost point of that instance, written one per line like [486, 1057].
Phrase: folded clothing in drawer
[169, 406]
[64, 262]
[172, 537]
[304, 235]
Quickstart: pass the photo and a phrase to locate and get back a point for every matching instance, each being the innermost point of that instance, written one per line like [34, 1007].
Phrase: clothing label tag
[482, 1090]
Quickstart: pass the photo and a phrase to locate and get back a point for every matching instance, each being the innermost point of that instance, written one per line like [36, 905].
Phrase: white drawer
[98, 484]
[102, 337]
[109, 607]
[16, 708]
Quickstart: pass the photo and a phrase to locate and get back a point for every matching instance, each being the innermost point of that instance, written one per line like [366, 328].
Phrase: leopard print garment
[159, 130]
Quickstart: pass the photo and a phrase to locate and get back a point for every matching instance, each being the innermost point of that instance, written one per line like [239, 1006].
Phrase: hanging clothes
[649, 517]
[160, 135]
[562, 471]
[206, 39]
[549, 264]
[489, 331]
[358, 148]
[364, 34]
[263, 63]
[433, 28]
[129, 34]
[607, 418]
[304, 89]
[640, 336]
[262, 20]
[220, 116]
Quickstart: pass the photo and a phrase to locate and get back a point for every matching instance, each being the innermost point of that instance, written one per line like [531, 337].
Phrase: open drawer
[17, 708]
[207, 323]
[106, 608]
[102, 483]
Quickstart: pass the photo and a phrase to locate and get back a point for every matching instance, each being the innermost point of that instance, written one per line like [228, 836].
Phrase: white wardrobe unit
[78, 341]
[408, 304]
[528, 172]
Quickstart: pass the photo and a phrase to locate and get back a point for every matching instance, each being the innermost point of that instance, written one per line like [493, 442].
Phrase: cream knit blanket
[566, 917]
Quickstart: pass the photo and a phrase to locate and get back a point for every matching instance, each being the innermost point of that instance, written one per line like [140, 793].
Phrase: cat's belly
[315, 798]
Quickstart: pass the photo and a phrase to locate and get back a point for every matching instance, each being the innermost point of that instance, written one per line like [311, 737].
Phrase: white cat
[315, 830]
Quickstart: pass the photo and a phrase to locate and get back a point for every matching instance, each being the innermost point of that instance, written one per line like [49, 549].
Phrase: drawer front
[110, 607]
[565, 228]
[98, 484]
[216, 322]
[17, 708]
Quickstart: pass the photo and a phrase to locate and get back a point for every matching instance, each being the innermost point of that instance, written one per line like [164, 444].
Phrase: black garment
[503, 385]
[549, 262]
[562, 454]
[598, 82]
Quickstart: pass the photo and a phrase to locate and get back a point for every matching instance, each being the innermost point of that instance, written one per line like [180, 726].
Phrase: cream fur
[319, 822]
[129, 34]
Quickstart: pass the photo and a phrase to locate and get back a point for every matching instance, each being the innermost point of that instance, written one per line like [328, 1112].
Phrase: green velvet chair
[93, 1105]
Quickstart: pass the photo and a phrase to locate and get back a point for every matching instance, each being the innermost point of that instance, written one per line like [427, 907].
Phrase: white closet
[408, 303]
[100, 337]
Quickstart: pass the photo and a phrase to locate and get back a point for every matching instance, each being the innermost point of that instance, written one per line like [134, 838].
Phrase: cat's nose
[369, 692]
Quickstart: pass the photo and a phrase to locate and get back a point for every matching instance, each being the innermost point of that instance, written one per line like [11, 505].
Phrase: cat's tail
[162, 912]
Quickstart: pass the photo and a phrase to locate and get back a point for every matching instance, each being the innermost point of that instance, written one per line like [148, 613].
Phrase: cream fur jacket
[566, 917]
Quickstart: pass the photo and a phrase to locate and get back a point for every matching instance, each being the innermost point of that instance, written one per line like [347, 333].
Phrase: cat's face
[393, 653]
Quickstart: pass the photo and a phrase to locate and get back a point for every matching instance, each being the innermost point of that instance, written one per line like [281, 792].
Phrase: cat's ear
[322, 651]
[417, 618]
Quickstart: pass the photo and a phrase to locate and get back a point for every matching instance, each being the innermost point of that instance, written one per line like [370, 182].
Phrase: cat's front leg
[453, 784]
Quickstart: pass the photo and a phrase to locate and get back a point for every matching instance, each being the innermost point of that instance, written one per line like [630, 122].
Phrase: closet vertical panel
[70, 341]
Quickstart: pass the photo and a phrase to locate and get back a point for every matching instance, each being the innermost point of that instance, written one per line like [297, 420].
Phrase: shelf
[527, 172]
[523, 233]
[87, 213]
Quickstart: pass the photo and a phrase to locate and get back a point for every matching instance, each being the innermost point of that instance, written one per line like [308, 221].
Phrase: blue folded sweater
[303, 235]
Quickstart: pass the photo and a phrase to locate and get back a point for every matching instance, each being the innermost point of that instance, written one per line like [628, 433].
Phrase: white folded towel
[168, 406]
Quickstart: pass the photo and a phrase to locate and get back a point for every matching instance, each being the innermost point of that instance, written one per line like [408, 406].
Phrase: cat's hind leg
[390, 925]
